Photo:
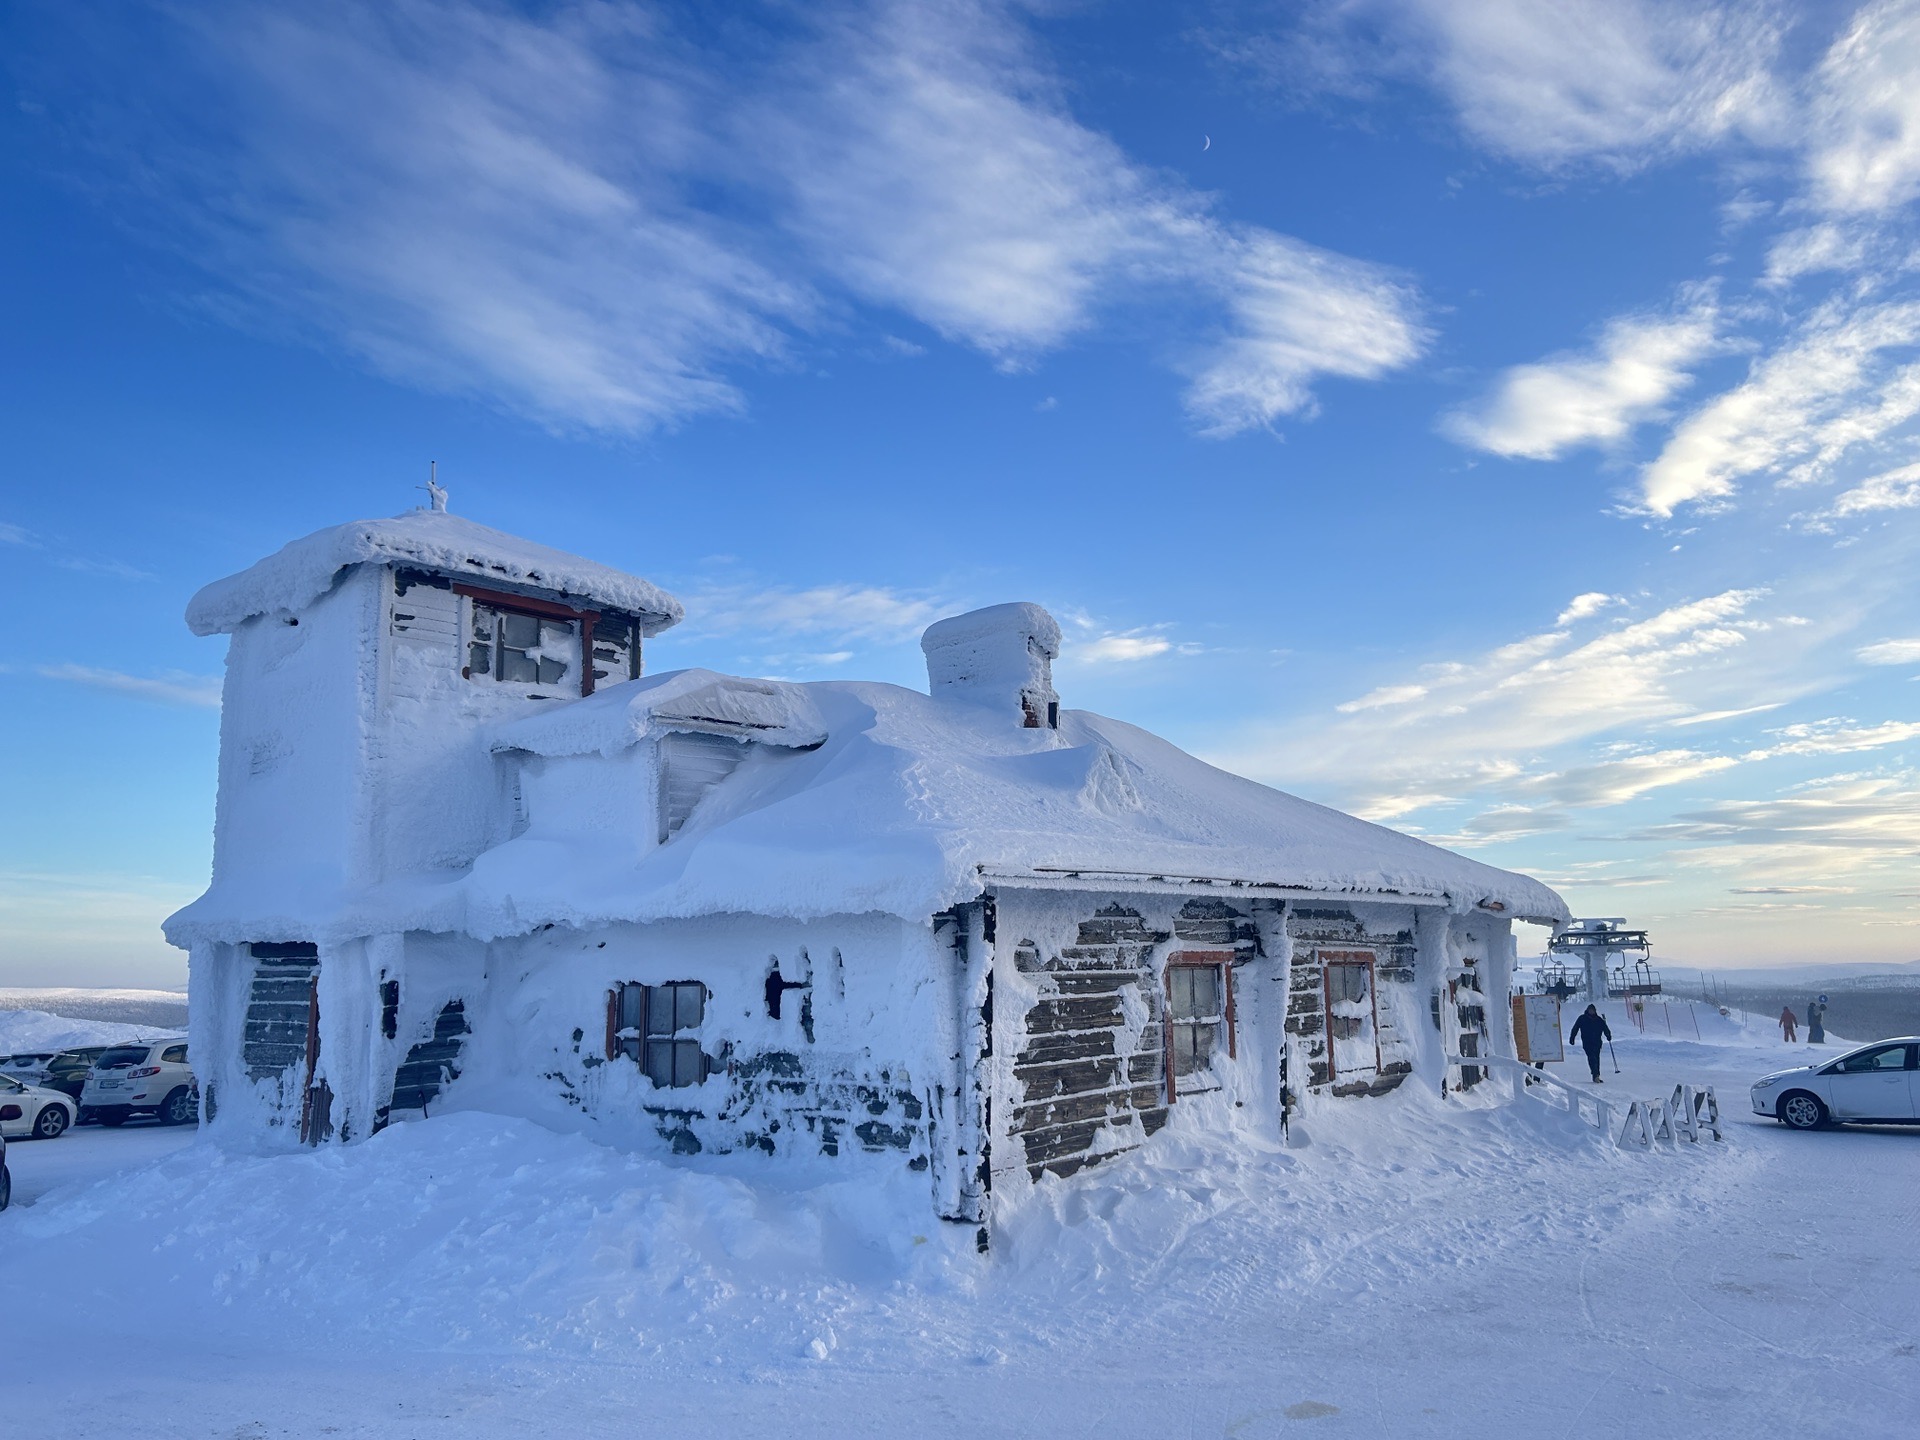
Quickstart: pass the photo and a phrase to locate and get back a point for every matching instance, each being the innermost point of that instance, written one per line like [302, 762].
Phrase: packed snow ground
[1418, 1267]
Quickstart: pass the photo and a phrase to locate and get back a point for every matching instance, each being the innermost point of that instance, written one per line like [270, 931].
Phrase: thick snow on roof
[911, 805]
[303, 571]
[771, 711]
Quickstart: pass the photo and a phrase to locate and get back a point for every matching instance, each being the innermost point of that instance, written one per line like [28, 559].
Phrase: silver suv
[144, 1078]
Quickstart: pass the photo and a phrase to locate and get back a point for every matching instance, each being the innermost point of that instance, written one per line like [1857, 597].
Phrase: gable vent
[691, 764]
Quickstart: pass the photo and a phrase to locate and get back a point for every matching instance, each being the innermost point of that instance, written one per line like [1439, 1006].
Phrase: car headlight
[1766, 1084]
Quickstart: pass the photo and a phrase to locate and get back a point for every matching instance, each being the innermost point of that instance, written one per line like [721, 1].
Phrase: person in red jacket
[1787, 1024]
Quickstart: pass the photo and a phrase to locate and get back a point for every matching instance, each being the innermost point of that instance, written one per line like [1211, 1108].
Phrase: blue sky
[1496, 419]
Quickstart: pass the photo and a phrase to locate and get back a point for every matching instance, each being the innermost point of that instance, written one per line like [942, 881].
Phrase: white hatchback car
[1879, 1083]
[144, 1078]
[28, 1112]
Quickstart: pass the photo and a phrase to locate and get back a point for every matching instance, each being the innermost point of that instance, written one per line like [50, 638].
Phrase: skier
[1817, 1023]
[1589, 1030]
[1787, 1023]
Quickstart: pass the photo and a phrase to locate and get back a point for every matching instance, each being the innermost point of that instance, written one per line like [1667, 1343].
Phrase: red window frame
[1328, 959]
[526, 605]
[1221, 960]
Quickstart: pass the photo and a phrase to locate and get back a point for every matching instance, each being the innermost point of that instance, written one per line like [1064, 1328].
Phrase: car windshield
[121, 1057]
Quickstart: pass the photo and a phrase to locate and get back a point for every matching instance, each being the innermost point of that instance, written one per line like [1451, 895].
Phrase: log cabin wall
[1320, 933]
[1082, 1007]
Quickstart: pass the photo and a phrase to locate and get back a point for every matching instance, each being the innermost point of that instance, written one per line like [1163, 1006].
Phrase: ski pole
[1616, 1057]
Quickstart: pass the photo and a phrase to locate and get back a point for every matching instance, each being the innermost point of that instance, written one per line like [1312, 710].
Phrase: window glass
[1887, 1057]
[651, 1022]
[175, 1055]
[675, 1063]
[1346, 981]
[1196, 1007]
[521, 649]
[123, 1057]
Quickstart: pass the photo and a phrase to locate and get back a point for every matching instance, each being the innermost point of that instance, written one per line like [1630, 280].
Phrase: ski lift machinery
[1603, 959]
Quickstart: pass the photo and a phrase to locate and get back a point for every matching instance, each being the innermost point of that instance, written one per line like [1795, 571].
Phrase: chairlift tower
[1603, 959]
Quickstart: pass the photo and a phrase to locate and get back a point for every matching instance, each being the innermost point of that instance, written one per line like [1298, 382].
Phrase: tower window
[517, 648]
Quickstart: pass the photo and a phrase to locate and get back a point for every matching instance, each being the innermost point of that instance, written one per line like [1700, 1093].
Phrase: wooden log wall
[1089, 1062]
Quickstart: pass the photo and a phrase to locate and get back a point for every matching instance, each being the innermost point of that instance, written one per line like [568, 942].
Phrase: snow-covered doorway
[1353, 1015]
[281, 1041]
[433, 1063]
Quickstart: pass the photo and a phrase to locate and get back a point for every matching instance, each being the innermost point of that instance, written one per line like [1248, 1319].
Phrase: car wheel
[114, 1117]
[51, 1122]
[6, 1188]
[177, 1108]
[1802, 1111]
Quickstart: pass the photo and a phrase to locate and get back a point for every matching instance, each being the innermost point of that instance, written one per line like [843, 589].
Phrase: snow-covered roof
[772, 712]
[912, 804]
[303, 571]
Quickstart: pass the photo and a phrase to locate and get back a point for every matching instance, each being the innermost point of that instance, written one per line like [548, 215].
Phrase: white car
[144, 1078]
[1878, 1082]
[28, 1112]
[28, 1065]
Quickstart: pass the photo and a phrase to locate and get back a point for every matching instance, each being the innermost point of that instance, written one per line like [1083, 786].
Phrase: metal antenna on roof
[436, 492]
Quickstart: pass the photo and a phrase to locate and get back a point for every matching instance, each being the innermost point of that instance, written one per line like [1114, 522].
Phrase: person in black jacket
[1590, 1030]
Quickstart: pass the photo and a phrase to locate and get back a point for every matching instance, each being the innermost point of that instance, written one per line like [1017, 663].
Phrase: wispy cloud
[1831, 388]
[845, 612]
[1550, 83]
[581, 214]
[15, 535]
[1896, 489]
[1542, 410]
[1131, 646]
[107, 569]
[1891, 652]
[170, 687]
[1865, 112]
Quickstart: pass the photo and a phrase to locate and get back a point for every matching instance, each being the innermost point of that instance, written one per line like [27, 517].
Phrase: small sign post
[1536, 1029]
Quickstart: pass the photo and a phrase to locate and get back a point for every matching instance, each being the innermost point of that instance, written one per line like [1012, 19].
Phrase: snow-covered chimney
[1000, 656]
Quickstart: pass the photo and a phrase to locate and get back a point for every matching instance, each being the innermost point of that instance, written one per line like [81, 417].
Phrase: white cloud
[1897, 489]
[931, 162]
[1891, 652]
[1541, 410]
[1814, 248]
[578, 213]
[15, 535]
[1133, 645]
[1552, 82]
[1582, 606]
[1837, 737]
[846, 612]
[1865, 112]
[1874, 816]
[1297, 314]
[1487, 726]
[1384, 696]
[172, 687]
[1830, 389]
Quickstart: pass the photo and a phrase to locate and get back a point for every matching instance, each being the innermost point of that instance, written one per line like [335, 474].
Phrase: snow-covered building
[467, 853]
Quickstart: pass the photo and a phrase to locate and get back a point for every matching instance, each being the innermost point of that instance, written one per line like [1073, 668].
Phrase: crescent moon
[1208, 142]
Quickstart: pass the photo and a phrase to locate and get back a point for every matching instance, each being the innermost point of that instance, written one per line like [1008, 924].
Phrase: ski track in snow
[1411, 1267]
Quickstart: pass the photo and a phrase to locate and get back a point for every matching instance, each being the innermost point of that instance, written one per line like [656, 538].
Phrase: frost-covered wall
[863, 1037]
[297, 713]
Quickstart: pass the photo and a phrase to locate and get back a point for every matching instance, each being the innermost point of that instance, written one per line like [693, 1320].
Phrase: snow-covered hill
[1412, 1267]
